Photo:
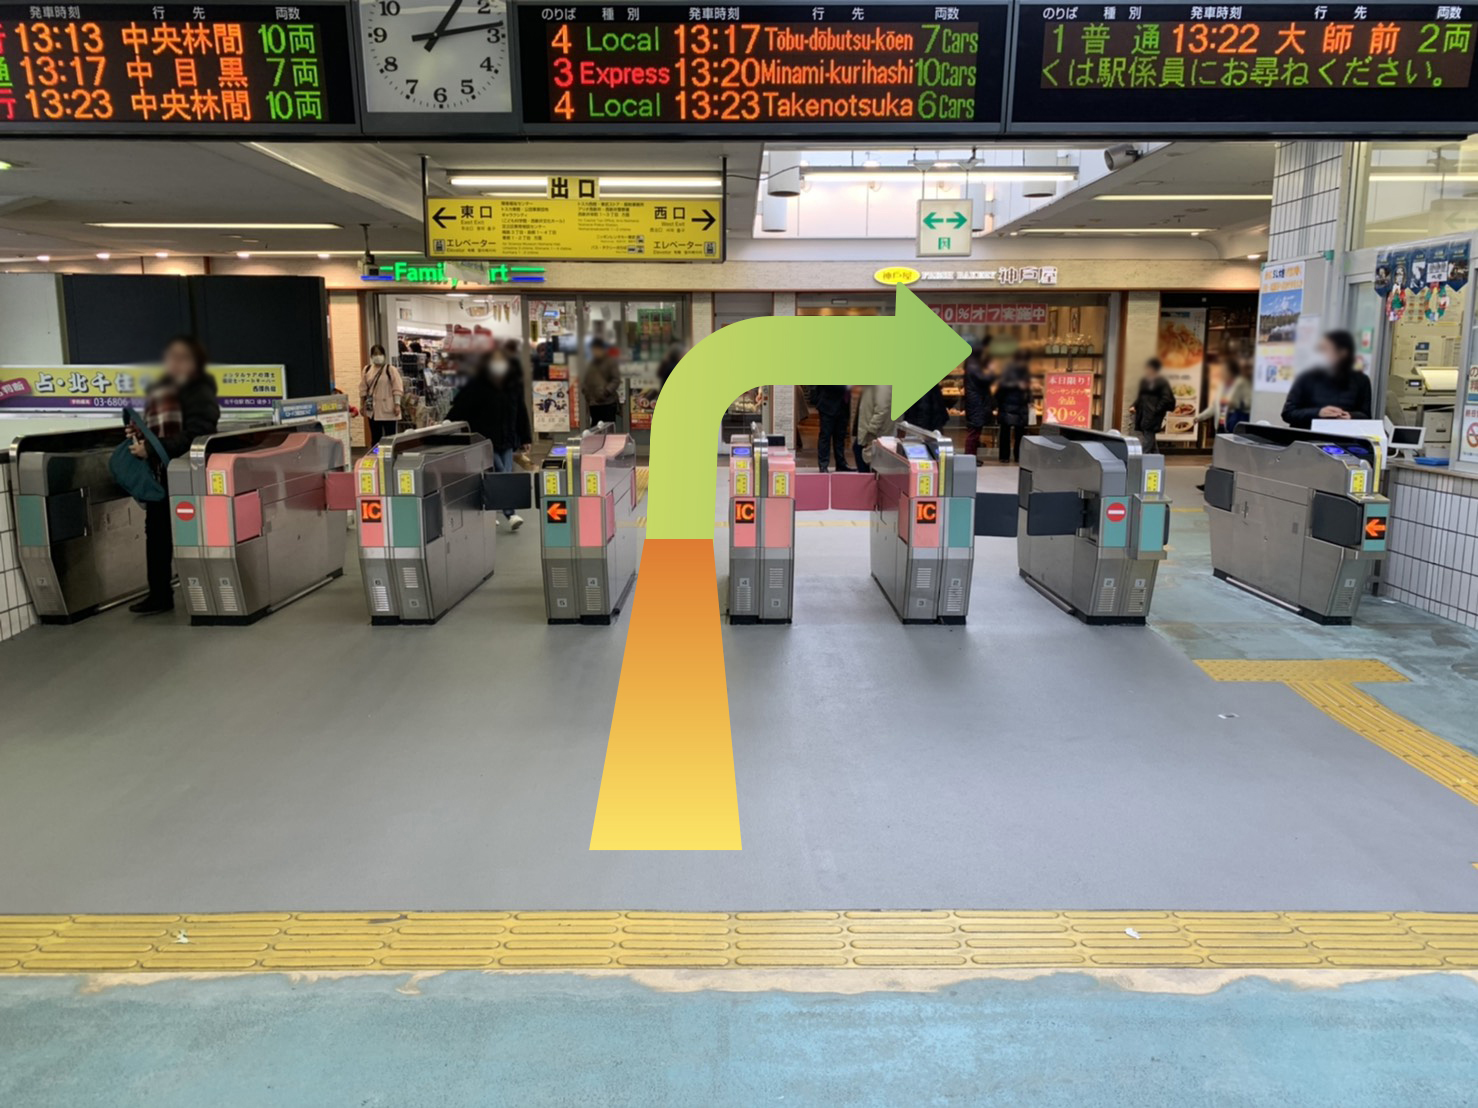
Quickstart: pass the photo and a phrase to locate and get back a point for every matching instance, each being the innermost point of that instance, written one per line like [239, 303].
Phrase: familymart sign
[425, 272]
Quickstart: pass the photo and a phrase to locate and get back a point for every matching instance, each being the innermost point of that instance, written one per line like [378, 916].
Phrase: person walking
[874, 420]
[1233, 398]
[980, 404]
[180, 408]
[381, 389]
[1334, 389]
[492, 404]
[601, 383]
[1152, 403]
[833, 404]
[1013, 406]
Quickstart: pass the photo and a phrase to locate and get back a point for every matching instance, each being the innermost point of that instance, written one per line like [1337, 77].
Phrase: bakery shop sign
[1007, 275]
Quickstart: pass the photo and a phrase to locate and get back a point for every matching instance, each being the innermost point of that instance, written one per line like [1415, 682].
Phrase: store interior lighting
[1428, 177]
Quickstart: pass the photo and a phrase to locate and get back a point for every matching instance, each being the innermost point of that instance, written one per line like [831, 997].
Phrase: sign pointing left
[441, 219]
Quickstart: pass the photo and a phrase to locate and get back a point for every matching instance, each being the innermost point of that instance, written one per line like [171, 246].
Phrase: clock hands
[430, 37]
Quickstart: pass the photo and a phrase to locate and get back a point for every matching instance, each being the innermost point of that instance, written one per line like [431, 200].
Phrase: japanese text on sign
[112, 386]
[991, 313]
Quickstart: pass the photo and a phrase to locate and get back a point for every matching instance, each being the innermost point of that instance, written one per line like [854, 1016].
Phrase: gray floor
[1023, 761]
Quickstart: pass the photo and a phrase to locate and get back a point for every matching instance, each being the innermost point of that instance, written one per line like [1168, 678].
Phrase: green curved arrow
[911, 350]
[668, 782]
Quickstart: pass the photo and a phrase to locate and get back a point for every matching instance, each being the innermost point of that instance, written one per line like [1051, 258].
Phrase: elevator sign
[944, 228]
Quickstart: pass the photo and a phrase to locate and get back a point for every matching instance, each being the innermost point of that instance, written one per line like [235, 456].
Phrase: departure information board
[775, 67]
[175, 68]
[1244, 67]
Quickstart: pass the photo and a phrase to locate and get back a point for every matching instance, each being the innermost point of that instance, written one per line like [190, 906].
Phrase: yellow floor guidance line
[286, 941]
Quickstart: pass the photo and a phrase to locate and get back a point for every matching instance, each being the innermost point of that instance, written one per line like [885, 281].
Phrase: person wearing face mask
[492, 404]
[380, 391]
[1336, 389]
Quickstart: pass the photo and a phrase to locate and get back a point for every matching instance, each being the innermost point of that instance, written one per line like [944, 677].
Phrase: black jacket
[1154, 401]
[831, 400]
[930, 411]
[495, 410]
[1014, 396]
[200, 414]
[980, 404]
[1322, 388]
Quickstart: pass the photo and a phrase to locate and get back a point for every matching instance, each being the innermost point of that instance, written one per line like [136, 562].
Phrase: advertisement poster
[1467, 434]
[69, 387]
[1280, 302]
[551, 406]
[1067, 399]
[643, 403]
[986, 314]
[1182, 352]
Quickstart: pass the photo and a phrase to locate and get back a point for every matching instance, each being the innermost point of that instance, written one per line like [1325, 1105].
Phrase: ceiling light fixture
[1418, 178]
[1115, 230]
[103, 255]
[1005, 173]
[161, 253]
[1174, 196]
[4, 166]
[324, 256]
[221, 226]
[43, 257]
[243, 254]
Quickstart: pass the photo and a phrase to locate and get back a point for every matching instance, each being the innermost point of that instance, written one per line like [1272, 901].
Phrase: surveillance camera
[1121, 156]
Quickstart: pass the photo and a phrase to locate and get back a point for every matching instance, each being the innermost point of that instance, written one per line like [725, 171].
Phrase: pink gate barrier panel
[854, 492]
[812, 492]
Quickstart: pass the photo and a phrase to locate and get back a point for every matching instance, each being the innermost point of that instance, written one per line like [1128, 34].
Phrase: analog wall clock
[435, 57]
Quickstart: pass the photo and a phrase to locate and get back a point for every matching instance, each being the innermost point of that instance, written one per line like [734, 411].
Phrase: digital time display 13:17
[784, 66]
[1377, 67]
[142, 67]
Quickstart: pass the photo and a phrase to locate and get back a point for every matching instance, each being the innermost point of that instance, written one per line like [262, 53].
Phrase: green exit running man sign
[944, 228]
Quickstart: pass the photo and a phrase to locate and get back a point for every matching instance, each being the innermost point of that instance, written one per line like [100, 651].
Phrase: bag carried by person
[137, 476]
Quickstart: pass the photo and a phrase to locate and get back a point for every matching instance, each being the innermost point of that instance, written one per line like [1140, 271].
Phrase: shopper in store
[874, 420]
[181, 407]
[930, 411]
[492, 404]
[1232, 401]
[980, 400]
[833, 404]
[669, 363]
[1152, 403]
[601, 383]
[1013, 399]
[381, 389]
[1334, 389]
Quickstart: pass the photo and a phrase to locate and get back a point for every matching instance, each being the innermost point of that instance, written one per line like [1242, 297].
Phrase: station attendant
[980, 403]
[492, 404]
[1335, 389]
[833, 404]
[181, 407]
[380, 391]
[1013, 406]
[601, 383]
[1152, 403]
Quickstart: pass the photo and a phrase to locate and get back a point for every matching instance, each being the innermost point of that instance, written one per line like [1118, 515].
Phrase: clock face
[436, 56]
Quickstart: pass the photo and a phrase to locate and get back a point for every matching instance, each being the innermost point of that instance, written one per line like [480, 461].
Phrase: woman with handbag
[181, 407]
[381, 389]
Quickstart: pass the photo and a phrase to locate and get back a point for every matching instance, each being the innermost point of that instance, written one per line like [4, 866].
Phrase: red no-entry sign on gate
[185, 510]
[1116, 511]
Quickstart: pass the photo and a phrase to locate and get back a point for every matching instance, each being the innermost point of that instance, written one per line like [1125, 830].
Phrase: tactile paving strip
[288, 941]
[1287, 671]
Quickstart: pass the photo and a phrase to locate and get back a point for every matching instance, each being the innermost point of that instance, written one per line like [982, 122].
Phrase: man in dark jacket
[980, 402]
[1335, 390]
[1154, 401]
[180, 409]
[833, 404]
[492, 404]
[930, 411]
[1014, 406]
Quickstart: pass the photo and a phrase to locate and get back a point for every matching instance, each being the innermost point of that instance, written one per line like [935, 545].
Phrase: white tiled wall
[16, 613]
[1306, 199]
[1433, 559]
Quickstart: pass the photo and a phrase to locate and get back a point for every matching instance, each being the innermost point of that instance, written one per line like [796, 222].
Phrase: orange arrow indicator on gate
[557, 511]
[1375, 527]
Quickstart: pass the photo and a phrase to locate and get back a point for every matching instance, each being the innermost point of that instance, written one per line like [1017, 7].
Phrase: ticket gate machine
[591, 525]
[923, 527]
[762, 507]
[1295, 517]
[425, 503]
[1093, 522]
[252, 526]
[80, 536]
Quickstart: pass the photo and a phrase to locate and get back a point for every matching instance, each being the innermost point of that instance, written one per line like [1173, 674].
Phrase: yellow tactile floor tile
[285, 942]
[1284, 670]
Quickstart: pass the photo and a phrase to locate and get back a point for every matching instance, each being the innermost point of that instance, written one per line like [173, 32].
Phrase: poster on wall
[1467, 452]
[70, 387]
[551, 406]
[1182, 352]
[643, 404]
[1067, 399]
[1280, 302]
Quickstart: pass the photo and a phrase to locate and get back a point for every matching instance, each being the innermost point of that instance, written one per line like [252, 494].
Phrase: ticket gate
[923, 525]
[591, 525]
[1093, 522]
[252, 526]
[1295, 518]
[80, 537]
[427, 503]
[762, 507]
